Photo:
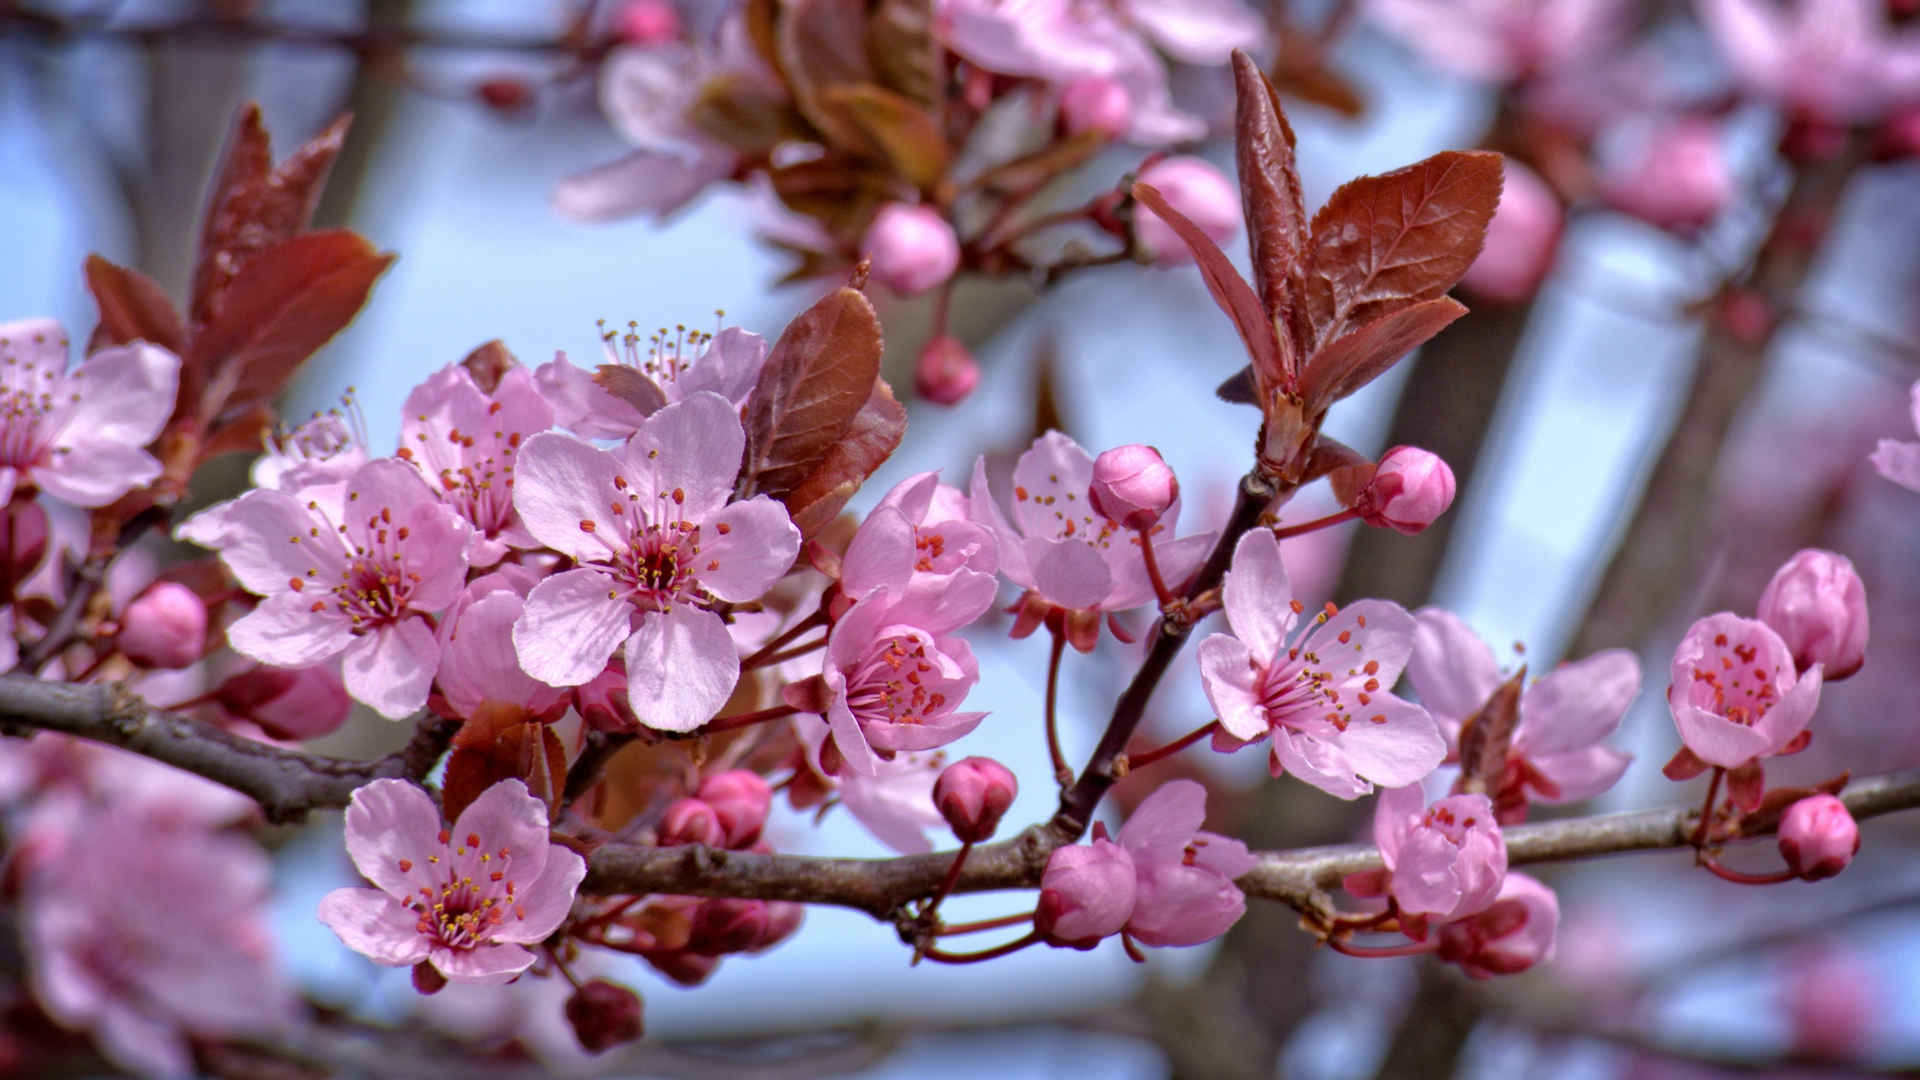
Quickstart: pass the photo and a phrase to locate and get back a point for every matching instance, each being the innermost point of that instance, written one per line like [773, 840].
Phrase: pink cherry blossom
[357, 577]
[1734, 695]
[1513, 934]
[1409, 490]
[894, 803]
[1817, 603]
[1499, 40]
[1446, 860]
[1900, 461]
[740, 800]
[324, 451]
[1556, 754]
[1675, 174]
[1183, 877]
[148, 934]
[1086, 892]
[1326, 702]
[1835, 60]
[672, 366]
[463, 441]
[1057, 546]
[286, 703]
[1522, 239]
[894, 682]
[79, 435]
[656, 538]
[1132, 485]
[466, 900]
[165, 627]
[919, 546]
[479, 667]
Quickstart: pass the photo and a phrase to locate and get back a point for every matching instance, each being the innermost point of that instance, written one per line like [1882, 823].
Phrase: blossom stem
[1706, 815]
[1141, 760]
[1153, 570]
[1315, 525]
[561, 966]
[1411, 948]
[986, 924]
[1032, 937]
[953, 875]
[787, 636]
[746, 719]
[1061, 770]
[784, 655]
[1741, 877]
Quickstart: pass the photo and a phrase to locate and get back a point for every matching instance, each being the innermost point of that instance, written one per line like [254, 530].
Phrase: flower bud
[690, 821]
[1086, 893]
[972, 794]
[912, 248]
[165, 627]
[1132, 485]
[604, 1015]
[427, 978]
[1676, 177]
[287, 703]
[1410, 488]
[1197, 190]
[740, 800]
[1098, 104]
[1516, 932]
[647, 22]
[1817, 603]
[1521, 239]
[946, 372]
[1818, 837]
[724, 925]
[23, 539]
[603, 703]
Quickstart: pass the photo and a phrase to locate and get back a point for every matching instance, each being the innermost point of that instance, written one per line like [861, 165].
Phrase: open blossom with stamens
[672, 366]
[1057, 546]
[1446, 860]
[359, 576]
[1555, 755]
[894, 682]
[467, 900]
[1734, 695]
[657, 539]
[1900, 461]
[327, 449]
[919, 546]
[1326, 700]
[79, 435]
[463, 441]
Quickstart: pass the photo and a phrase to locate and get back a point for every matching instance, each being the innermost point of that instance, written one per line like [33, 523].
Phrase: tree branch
[288, 783]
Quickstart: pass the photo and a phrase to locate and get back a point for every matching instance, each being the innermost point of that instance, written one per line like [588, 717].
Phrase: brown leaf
[1271, 201]
[822, 43]
[1356, 358]
[489, 363]
[251, 205]
[1386, 242]
[132, 308]
[840, 194]
[1036, 169]
[1229, 289]
[1301, 71]
[817, 378]
[873, 436]
[630, 386]
[291, 299]
[905, 55]
[907, 136]
[1487, 735]
[738, 111]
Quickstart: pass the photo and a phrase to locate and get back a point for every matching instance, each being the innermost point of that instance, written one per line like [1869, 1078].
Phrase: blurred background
[1669, 384]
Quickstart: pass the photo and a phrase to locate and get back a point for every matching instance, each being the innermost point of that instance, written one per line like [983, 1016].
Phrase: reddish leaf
[489, 363]
[132, 308]
[906, 56]
[875, 433]
[817, 378]
[1487, 735]
[502, 743]
[1229, 289]
[252, 206]
[291, 299]
[907, 136]
[630, 386]
[1355, 359]
[1270, 197]
[822, 44]
[1041, 166]
[1301, 71]
[1386, 242]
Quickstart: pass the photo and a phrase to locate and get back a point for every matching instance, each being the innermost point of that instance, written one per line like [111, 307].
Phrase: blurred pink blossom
[911, 247]
[1836, 61]
[1514, 933]
[1900, 461]
[1817, 603]
[1674, 175]
[1502, 40]
[1521, 240]
[79, 435]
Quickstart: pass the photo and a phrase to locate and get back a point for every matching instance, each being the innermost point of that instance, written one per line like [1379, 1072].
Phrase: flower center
[1738, 687]
[1299, 692]
[891, 685]
[667, 354]
[462, 912]
[34, 401]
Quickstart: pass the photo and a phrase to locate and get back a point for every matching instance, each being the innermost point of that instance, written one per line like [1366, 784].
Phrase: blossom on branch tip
[1409, 490]
[656, 538]
[1734, 695]
[1900, 461]
[1817, 603]
[1326, 702]
[467, 900]
[80, 435]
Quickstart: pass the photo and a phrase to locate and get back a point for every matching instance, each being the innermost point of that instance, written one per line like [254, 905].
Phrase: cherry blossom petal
[1068, 572]
[390, 822]
[1898, 462]
[1395, 814]
[482, 965]
[1392, 742]
[125, 394]
[729, 367]
[647, 181]
[478, 662]
[285, 631]
[692, 450]
[982, 508]
[1231, 682]
[1716, 740]
[1365, 630]
[681, 668]
[1258, 597]
[510, 825]
[90, 471]
[570, 628]
[562, 484]
[849, 738]
[1198, 31]
[1578, 703]
[1580, 774]
[581, 405]
[143, 1042]
[881, 554]
[548, 900]
[1166, 820]
[375, 925]
[1790, 716]
[268, 539]
[1050, 486]
[745, 548]
[1318, 763]
[1176, 905]
[1452, 670]
[391, 670]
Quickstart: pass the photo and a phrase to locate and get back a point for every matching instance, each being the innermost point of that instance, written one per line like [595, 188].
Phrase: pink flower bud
[1086, 893]
[287, 703]
[1196, 189]
[604, 1015]
[912, 248]
[23, 539]
[603, 703]
[647, 22]
[1512, 935]
[1096, 104]
[1817, 603]
[1675, 176]
[972, 794]
[1818, 837]
[740, 799]
[165, 627]
[727, 925]
[946, 372]
[1410, 488]
[1132, 485]
[690, 821]
[1521, 239]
